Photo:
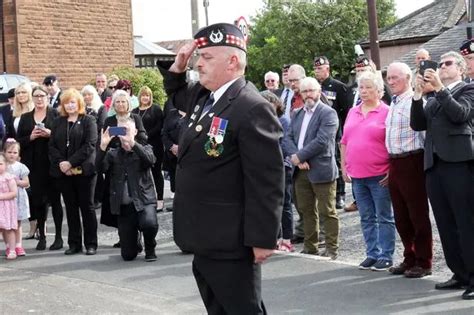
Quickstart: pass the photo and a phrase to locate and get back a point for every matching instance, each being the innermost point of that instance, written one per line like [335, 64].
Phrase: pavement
[53, 283]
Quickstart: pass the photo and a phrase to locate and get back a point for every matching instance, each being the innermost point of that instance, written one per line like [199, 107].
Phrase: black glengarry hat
[321, 61]
[48, 80]
[467, 47]
[220, 34]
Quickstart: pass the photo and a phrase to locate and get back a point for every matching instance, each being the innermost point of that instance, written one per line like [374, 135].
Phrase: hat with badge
[362, 61]
[220, 34]
[321, 61]
[50, 79]
[467, 47]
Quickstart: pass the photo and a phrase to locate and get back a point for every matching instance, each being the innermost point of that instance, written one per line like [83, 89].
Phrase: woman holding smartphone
[34, 130]
[72, 149]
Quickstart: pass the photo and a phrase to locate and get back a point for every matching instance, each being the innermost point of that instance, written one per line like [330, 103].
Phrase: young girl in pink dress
[11, 150]
[8, 207]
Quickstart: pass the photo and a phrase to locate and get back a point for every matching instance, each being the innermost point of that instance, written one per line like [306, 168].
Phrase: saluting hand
[182, 58]
[261, 254]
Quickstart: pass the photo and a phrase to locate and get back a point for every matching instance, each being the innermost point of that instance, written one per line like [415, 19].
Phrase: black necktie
[208, 104]
[286, 97]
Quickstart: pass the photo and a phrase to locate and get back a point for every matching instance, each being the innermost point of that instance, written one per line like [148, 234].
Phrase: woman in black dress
[152, 118]
[34, 130]
[72, 154]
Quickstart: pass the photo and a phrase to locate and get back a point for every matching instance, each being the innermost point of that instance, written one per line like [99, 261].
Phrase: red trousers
[410, 207]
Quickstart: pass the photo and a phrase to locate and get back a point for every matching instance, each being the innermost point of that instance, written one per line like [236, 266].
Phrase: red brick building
[74, 39]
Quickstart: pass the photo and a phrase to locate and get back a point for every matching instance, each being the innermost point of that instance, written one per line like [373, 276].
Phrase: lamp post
[373, 33]
[205, 3]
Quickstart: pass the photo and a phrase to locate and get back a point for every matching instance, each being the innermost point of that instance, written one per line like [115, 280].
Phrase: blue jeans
[376, 216]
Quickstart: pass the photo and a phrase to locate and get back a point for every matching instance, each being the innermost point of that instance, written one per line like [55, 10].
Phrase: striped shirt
[400, 138]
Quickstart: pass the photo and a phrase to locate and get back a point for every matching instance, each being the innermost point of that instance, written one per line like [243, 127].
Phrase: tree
[293, 31]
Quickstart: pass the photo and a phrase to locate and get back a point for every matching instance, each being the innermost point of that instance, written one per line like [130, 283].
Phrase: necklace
[144, 112]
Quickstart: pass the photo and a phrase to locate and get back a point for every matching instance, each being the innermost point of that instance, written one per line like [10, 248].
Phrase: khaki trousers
[314, 200]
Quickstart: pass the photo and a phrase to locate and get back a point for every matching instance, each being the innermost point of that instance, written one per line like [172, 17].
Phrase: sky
[161, 20]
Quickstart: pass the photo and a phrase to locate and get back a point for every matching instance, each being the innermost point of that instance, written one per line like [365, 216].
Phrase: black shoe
[97, 205]
[297, 239]
[41, 244]
[57, 244]
[72, 251]
[116, 245]
[340, 202]
[330, 254]
[169, 209]
[451, 284]
[29, 237]
[150, 256]
[158, 210]
[91, 251]
[468, 294]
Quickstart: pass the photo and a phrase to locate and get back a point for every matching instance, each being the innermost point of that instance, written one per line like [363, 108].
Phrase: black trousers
[229, 286]
[78, 194]
[450, 188]
[130, 221]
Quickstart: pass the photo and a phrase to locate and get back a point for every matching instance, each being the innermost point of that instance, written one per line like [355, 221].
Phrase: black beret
[467, 47]
[48, 80]
[221, 34]
[11, 93]
[321, 61]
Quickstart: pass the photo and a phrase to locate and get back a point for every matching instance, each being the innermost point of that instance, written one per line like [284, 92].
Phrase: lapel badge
[196, 108]
[198, 128]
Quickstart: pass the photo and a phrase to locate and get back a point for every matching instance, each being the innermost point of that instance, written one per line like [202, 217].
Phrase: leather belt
[405, 154]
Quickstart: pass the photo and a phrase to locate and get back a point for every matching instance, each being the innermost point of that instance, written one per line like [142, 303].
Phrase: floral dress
[8, 208]
[20, 170]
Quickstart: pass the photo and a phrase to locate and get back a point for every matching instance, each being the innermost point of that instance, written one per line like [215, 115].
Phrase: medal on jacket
[213, 145]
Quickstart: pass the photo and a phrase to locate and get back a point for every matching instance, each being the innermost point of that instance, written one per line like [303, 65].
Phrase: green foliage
[294, 31]
[141, 77]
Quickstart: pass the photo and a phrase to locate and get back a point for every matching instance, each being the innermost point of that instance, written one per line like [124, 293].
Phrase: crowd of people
[239, 165]
[51, 140]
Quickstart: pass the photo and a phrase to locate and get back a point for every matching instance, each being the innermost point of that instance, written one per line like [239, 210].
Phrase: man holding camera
[448, 118]
[132, 191]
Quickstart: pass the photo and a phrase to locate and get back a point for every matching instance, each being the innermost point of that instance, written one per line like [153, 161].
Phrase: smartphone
[40, 125]
[117, 131]
[427, 64]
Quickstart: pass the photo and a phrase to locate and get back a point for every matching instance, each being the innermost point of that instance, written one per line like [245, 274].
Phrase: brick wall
[74, 39]
[10, 43]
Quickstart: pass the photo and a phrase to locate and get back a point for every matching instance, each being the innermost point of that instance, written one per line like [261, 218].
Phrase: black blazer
[34, 154]
[57, 101]
[152, 119]
[82, 138]
[448, 119]
[7, 116]
[225, 205]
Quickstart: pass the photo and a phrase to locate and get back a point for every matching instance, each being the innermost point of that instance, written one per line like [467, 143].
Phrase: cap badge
[471, 47]
[216, 37]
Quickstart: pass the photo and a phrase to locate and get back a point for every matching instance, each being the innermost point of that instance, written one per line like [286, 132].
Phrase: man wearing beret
[52, 85]
[467, 51]
[336, 94]
[230, 176]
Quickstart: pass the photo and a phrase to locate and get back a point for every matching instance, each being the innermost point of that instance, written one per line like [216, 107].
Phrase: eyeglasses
[39, 96]
[308, 91]
[268, 81]
[112, 87]
[446, 63]
[294, 80]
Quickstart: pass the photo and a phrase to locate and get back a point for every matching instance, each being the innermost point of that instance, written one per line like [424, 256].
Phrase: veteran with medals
[230, 173]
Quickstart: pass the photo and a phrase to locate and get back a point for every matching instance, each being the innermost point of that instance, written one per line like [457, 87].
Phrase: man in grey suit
[309, 145]
[448, 119]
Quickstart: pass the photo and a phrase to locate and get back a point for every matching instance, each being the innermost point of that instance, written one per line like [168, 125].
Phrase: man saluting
[229, 180]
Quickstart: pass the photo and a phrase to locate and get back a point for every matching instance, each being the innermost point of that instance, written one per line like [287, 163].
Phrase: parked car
[7, 82]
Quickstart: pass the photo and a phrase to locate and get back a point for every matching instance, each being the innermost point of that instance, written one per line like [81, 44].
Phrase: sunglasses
[267, 81]
[446, 63]
[112, 87]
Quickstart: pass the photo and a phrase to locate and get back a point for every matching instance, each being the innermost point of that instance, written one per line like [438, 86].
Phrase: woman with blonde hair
[72, 149]
[152, 118]
[23, 103]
